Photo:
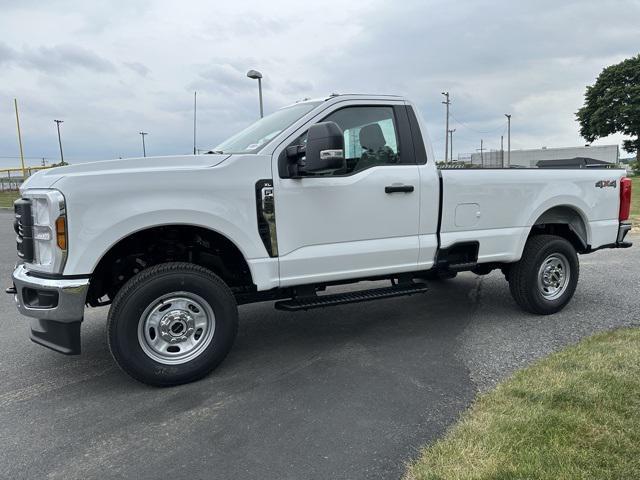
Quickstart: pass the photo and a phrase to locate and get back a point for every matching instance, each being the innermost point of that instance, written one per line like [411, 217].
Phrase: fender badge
[606, 183]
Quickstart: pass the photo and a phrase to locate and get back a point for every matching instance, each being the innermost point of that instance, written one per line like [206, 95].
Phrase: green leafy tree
[612, 105]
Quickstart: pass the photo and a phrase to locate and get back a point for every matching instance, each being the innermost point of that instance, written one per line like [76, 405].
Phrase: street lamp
[256, 75]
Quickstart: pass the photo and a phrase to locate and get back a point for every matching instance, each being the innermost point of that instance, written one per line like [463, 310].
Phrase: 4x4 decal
[606, 183]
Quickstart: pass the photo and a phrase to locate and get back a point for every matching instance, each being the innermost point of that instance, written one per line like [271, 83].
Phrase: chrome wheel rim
[553, 276]
[176, 328]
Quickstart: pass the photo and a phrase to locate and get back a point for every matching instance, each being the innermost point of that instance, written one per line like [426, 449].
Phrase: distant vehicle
[577, 162]
[319, 193]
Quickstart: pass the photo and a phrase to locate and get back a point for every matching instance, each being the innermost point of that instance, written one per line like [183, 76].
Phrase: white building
[530, 158]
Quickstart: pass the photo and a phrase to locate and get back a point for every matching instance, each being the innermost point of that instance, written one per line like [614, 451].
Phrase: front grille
[23, 226]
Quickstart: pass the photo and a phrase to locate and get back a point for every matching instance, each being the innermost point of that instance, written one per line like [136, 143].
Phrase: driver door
[361, 221]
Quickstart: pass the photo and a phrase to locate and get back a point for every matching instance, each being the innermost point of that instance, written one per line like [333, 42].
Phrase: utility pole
[447, 102]
[15, 102]
[508, 115]
[144, 150]
[194, 121]
[481, 154]
[502, 150]
[451, 149]
[58, 122]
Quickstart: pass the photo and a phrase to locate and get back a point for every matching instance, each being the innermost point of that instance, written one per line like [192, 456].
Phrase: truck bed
[498, 207]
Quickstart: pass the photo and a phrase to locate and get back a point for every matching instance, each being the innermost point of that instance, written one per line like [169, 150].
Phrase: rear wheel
[172, 324]
[545, 279]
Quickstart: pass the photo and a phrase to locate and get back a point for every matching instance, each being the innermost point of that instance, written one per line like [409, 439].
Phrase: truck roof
[334, 95]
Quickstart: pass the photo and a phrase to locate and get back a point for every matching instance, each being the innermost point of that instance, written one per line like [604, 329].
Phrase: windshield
[264, 130]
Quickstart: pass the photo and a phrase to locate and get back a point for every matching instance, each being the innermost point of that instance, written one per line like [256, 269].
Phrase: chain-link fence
[12, 178]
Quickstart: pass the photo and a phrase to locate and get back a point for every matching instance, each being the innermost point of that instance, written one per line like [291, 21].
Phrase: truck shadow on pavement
[346, 392]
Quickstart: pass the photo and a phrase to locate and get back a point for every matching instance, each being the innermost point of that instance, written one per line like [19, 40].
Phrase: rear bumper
[623, 229]
[57, 307]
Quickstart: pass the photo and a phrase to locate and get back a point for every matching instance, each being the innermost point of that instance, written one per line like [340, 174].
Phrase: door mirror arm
[296, 160]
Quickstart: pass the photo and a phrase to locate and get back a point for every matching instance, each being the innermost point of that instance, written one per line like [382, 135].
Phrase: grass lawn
[574, 414]
[7, 199]
[635, 201]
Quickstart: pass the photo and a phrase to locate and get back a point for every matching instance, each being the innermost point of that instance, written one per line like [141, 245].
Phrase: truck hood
[47, 178]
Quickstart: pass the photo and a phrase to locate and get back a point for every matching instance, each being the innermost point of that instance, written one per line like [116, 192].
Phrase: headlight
[49, 230]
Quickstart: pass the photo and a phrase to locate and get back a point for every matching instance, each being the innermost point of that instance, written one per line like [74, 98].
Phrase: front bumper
[57, 307]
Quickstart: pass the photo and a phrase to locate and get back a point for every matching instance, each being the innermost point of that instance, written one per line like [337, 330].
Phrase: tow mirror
[324, 151]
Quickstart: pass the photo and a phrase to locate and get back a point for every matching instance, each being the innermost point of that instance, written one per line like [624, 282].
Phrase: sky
[112, 68]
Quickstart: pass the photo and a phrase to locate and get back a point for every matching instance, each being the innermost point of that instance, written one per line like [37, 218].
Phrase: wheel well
[564, 222]
[168, 243]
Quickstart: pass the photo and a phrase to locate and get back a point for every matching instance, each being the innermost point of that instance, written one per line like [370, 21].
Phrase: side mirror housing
[323, 153]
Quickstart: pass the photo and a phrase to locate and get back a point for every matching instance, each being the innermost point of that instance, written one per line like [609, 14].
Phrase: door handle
[398, 189]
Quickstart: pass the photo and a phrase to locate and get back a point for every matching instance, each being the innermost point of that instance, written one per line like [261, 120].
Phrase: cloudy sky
[110, 68]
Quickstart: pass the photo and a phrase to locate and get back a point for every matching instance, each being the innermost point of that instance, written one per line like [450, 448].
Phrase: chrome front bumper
[57, 305]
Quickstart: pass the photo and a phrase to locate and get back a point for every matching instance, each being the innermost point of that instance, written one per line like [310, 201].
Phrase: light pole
[446, 131]
[451, 137]
[58, 122]
[256, 75]
[508, 115]
[195, 97]
[144, 150]
[15, 102]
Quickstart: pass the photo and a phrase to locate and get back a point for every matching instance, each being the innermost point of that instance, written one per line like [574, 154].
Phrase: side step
[314, 301]
[460, 267]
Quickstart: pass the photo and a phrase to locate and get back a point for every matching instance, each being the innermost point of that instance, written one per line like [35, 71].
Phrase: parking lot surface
[347, 392]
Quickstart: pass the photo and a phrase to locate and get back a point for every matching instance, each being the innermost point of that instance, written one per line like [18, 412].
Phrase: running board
[461, 267]
[309, 302]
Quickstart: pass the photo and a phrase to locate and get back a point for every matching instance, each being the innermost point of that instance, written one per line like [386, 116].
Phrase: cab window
[370, 137]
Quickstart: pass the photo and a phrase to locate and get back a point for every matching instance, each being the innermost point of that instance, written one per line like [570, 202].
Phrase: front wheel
[545, 278]
[171, 324]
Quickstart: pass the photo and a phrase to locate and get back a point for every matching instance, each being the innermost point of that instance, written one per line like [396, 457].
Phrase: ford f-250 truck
[319, 193]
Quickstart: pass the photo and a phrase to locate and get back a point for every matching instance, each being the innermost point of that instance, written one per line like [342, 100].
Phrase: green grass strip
[572, 415]
[7, 198]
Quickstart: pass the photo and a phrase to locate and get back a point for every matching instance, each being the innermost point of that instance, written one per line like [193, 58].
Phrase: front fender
[91, 247]
[104, 209]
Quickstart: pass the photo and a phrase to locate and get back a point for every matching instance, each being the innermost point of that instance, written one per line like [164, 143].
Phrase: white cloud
[113, 68]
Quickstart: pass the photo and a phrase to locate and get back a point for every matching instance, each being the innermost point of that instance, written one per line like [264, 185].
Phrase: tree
[612, 105]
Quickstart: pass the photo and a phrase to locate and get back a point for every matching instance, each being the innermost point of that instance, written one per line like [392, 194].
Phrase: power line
[26, 158]
[502, 126]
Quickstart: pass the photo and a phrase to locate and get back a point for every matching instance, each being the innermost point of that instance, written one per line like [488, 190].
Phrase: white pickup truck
[319, 193]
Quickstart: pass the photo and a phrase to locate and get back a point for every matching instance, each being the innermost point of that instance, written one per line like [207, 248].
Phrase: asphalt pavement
[347, 392]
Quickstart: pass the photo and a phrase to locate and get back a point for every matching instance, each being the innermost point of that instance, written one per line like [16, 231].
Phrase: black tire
[523, 275]
[147, 288]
